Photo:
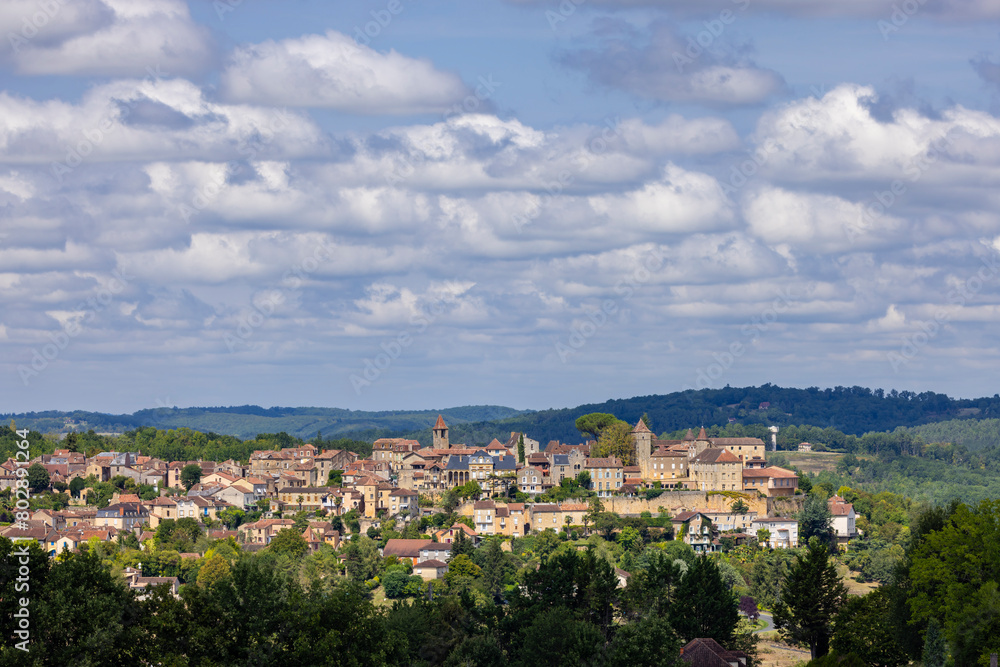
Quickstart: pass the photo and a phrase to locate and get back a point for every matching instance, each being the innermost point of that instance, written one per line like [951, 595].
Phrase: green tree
[704, 606]
[594, 423]
[520, 448]
[763, 536]
[461, 546]
[213, 570]
[864, 627]
[739, 507]
[190, 475]
[616, 440]
[494, 567]
[815, 520]
[38, 478]
[362, 559]
[76, 485]
[810, 599]
[935, 652]
[290, 542]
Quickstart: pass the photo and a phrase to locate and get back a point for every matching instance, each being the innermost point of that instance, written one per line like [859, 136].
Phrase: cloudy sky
[398, 204]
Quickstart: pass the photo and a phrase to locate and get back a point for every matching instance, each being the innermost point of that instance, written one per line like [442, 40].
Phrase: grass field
[815, 462]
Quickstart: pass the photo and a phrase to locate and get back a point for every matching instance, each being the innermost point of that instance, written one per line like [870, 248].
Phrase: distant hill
[247, 421]
[852, 410]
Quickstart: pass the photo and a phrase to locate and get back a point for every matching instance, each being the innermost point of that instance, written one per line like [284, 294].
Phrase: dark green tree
[704, 606]
[815, 520]
[935, 648]
[38, 478]
[289, 542]
[520, 448]
[864, 627]
[462, 545]
[810, 599]
[190, 475]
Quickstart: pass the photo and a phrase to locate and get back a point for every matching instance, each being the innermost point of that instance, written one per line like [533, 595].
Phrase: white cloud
[113, 37]
[331, 71]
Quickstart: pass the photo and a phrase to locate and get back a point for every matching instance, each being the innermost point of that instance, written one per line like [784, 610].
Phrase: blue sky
[518, 202]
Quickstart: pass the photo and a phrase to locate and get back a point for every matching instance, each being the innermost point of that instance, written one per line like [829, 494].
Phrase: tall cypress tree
[810, 599]
[934, 645]
[704, 606]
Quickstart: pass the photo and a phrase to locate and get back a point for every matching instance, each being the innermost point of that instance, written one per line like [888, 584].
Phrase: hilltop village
[706, 486]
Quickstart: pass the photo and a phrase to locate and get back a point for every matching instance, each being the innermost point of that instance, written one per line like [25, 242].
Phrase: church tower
[440, 434]
[642, 437]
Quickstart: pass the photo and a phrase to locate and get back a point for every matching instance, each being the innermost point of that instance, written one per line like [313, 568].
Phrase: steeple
[440, 431]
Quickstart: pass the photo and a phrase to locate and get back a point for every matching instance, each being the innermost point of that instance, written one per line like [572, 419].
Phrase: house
[695, 528]
[770, 481]
[709, 653]
[531, 480]
[417, 550]
[805, 447]
[140, 584]
[264, 530]
[668, 466]
[307, 497]
[447, 535]
[843, 519]
[123, 516]
[606, 474]
[784, 531]
[716, 469]
[429, 570]
[511, 519]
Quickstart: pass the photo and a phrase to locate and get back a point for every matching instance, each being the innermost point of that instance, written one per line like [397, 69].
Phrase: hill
[248, 420]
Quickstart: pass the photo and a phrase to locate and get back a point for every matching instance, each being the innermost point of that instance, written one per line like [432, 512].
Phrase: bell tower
[440, 434]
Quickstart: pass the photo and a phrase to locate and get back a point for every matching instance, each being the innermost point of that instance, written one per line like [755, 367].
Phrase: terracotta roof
[440, 423]
[715, 455]
[772, 471]
[702, 435]
[640, 427]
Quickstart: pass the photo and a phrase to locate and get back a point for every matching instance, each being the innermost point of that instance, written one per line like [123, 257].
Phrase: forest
[850, 410]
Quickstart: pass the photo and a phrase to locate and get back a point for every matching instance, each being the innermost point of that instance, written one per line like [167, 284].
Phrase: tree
[749, 607]
[38, 478]
[815, 520]
[494, 567]
[289, 541]
[213, 570]
[616, 440]
[864, 627]
[190, 475]
[763, 536]
[520, 448]
[739, 507]
[594, 423]
[461, 546]
[810, 599]
[362, 559]
[76, 485]
[583, 479]
[935, 649]
[704, 606]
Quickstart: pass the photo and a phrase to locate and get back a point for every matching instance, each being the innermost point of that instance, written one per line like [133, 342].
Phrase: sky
[403, 204]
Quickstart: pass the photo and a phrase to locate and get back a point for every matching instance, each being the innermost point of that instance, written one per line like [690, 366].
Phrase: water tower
[774, 437]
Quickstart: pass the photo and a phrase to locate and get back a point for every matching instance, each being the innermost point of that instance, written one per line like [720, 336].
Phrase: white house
[843, 519]
[784, 531]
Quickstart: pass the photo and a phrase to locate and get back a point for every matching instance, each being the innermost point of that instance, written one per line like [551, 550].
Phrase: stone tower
[440, 434]
[642, 437]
